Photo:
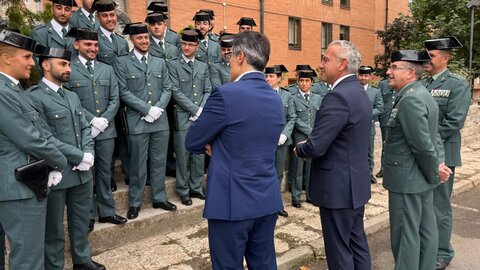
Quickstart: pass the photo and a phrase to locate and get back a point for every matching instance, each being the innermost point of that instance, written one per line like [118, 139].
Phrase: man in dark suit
[338, 147]
[241, 123]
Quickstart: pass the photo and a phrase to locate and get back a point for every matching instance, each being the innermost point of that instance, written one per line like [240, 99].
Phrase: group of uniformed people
[97, 95]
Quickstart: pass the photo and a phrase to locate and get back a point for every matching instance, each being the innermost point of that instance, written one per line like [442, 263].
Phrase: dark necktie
[64, 32]
[429, 82]
[306, 97]
[90, 17]
[89, 68]
[114, 41]
[61, 92]
[190, 64]
[144, 62]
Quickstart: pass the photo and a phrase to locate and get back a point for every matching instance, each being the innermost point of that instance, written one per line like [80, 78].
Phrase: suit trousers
[371, 148]
[187, 162]
[77, 216]
[23, 221]
[443, 213]
[346, 245]
[103, 198]
[252, 239]
[413, 230]
[151, 147]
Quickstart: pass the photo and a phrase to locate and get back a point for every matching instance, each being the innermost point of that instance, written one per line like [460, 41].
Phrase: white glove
[88, 158]
[282, 139]
[193, 118]
[155, 112]
[100, 123]
[200, 110]
[95, 132]
[54, 178]
[148, 118]
[83, 166]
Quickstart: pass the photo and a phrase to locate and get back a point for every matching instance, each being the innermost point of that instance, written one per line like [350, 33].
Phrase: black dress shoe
[166, 205]
[198, 195]
[373, 180]
[283, 213]
[311, 202]
[441, 264]
[115, 219]
[91, 265]
[379, 174]
[133, 212]
[113, 185]
[296, 204]
[185, 199]
[91, 225]
[127, 181]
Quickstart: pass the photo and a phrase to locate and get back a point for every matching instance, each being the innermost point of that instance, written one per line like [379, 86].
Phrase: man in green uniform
[23, 137]
[452, 94]
[364, 76]
[53, 34]
[171, 37]
[246, 24]
[388, 97]
[220, 72]
[306, 104]
[85, 16]
[158, 45]
[96, 85]
[191, 88]
[413, 164]
[274, 78]
[211, 34]
[65, 116]
[145, 88]
[208, 50]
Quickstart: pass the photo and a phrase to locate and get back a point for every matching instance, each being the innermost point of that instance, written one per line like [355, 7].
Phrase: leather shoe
[296, 204]
[379, 174]
[91, 265]
[113, 185]
[311, 202]
[283, 213]
[166, 205]
[91, 225]
[115, 219]
[133, 212]
[185, 199]
[198, 195]
[373, 180]
[441, 264]
[127, 181]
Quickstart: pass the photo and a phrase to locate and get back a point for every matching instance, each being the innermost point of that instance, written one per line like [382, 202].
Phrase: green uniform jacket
[452, 94]
[318, 87]
[79, 19]
[98, 95]
[68, 124]
[289, 113]
[412, 146]
[22, 133]
[305, 112]
[219, 74]
[47, 36]
[170, 53]
[211, 55]
[140, 89]
[172, 38]
[388, 96]
[190, 90]
[214, 37]
[376, 98]
[107, 51]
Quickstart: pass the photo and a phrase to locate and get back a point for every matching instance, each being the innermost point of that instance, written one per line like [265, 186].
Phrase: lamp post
[472, 4]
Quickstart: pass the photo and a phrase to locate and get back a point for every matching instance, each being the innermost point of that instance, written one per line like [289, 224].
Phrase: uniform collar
[188, 60]
[58, 27]
[84, 61]
[106, 33]
[51, 84]
[139, 55]
[15, 81]
[436, 76]
[87, 13]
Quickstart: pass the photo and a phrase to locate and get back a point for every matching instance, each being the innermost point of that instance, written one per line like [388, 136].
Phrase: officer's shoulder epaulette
[32, 88]
[118, 35]
[455, 76]
[66, 88]
[40, 26]
[410, 91]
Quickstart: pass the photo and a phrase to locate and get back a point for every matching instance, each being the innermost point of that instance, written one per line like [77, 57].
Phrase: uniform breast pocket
[34, 117]
[104, 86]
[184, 82]
[135, 81]
[157, 79]
[81, 88]
[58, 121]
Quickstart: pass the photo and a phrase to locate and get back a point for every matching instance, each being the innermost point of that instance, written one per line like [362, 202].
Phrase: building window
[326, 35]
[294, 33]
[327, 2]
[344, 32]
[345, 3]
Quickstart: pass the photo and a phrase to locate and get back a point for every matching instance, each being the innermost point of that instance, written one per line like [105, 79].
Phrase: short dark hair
[255, 46]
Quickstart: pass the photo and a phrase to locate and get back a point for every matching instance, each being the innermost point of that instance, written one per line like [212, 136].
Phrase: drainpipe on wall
[262, 16]
[386, 15]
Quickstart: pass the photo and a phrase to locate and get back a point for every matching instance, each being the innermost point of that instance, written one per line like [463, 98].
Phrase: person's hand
[54, 178]
[282, 139]
[95, 132]
[208, 149]
[155, 112]
[83, 166]
[295, 148]
[148, 118]
[88, 158]
[100, 123]
[444, 172]
[200, 110]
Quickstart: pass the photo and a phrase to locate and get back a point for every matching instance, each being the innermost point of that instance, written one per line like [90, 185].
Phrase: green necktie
[190, 64]
[306, 97]
[91, 19]
[61, 92]
[144, 62]
[64, 32]
[114, 41]
[429, 81]
[89, 67]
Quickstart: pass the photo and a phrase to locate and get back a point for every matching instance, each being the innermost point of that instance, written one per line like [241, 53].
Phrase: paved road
[465, 239]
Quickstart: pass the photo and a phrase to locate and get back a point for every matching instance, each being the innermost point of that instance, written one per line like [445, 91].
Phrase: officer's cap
[303, 67]
[246, 21]
[276, 69]
[68, 3]
[446, 43]
[49, 52]
[365, 70]
[201, 16]
[17, 40]
[413, 56]
[191, 35]
[104, 5]
[310, 74]
[135, 28]
[155, 17]
[158, 6]
[226, 40]
[209, 11]
[82, 34]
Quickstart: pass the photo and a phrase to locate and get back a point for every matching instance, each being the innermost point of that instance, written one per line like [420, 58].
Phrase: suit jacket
[388, 96]
[190, 90]
[242, 122]
[79, 19]
[66, 119]
[412, 148]
[452, 94]
[209, 55]
[47, 36]
[306, 112]
[289, 113]
[170, 53]
[338, 145]
[172, 38]
[140, 89]
[107, 51]
[219, 74]
[377, 103]
[23, 133]
[98, 95]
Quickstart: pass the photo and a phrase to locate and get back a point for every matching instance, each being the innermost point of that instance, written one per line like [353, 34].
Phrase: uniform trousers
[443, 213]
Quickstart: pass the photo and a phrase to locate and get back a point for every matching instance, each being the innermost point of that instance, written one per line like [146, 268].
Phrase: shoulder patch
[455, 76]
[410, 91]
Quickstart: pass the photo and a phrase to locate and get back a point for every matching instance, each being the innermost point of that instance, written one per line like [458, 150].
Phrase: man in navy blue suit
[240, 126]
[338, 147]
